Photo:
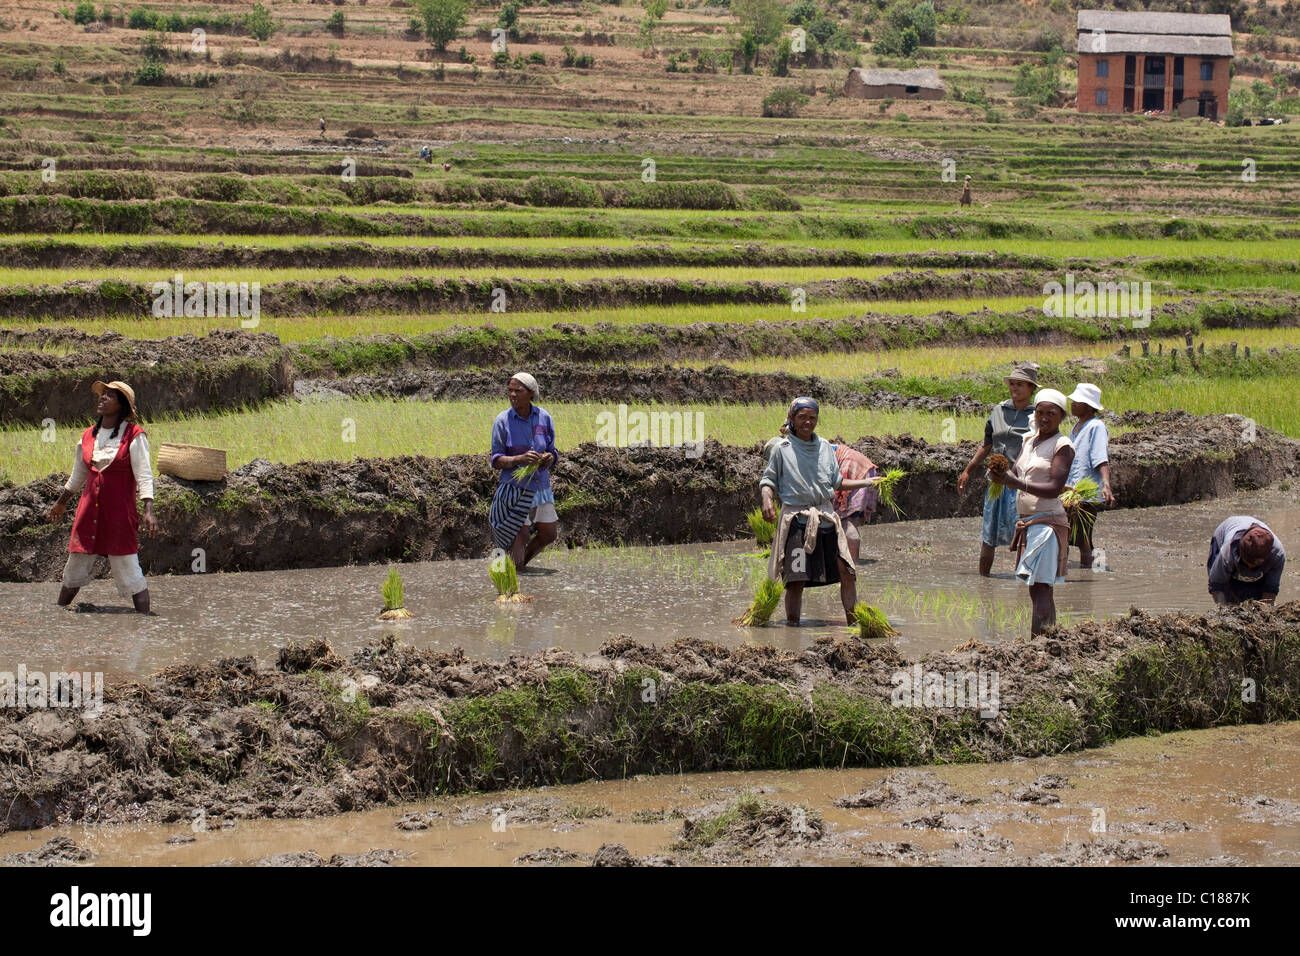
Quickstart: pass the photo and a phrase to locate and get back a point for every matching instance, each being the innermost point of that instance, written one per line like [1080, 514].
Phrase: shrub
[85, 13]
[335, 23]
[501, 60]
[538, 57]
[151, 73]
[784, 102]
[802, 12]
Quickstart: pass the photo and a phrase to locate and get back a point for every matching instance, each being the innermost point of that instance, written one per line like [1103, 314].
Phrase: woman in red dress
[110, 468]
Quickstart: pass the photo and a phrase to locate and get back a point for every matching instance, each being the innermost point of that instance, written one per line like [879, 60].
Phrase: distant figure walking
[322, 126]
[446, 167]
[965, 192]
[1246, 561]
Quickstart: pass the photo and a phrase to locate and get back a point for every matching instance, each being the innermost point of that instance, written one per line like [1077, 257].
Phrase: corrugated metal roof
[928, 79]
[1184, 24]
[1148, 43]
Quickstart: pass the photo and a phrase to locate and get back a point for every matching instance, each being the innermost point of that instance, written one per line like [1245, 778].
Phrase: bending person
[110, 469]
[1042, 533]
[810, 548]
[523, 504]
[1246, 561]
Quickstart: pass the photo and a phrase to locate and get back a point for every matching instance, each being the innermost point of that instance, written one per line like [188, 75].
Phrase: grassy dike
[313, 735]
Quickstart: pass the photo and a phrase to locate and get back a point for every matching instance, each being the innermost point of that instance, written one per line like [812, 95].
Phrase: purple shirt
[513, 435]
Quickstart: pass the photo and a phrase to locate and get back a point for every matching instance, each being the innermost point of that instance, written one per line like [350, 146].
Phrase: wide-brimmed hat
[1087, 394]
[1028, 372]
[1053, 396]
[126, 391]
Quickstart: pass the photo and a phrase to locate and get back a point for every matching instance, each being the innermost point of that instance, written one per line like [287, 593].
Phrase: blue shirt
[513, 435]
[1091, 442]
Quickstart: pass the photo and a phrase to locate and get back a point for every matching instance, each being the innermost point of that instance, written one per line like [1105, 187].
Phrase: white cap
[1087, 394]
[527, 381]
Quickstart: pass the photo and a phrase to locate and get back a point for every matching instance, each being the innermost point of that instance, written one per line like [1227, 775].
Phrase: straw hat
[127, 392]
[1086, 393]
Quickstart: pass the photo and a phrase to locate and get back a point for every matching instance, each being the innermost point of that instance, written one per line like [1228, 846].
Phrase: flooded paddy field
[921, 573]
[1226, 796]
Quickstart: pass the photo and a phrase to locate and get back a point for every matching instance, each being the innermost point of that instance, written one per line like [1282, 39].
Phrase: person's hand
[1219, 597]
[546, 461]
[769, 511]
[529, 457]
[150, 522]
[962, 481]
[57, 512]
[1107, 495]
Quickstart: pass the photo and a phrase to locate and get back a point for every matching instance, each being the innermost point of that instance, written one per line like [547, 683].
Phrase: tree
[654, 12]
[85, 12]
[763, 18]
[442, 18]
[924, 22]
[259, 24]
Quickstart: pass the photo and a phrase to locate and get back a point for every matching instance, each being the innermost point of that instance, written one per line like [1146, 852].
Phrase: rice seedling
[523, 473]
[394, 609]
[503, 574]
[766, 597]
[1081, 519]
[997, 464]
[872, 623]
[887, 487]
[764, 530]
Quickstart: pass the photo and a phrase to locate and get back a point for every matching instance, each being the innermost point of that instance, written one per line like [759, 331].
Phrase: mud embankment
[489, 346]
[320, 514]
[177, 375]
[659, 385]
[171, 255]
[312, 735]
[100, 298]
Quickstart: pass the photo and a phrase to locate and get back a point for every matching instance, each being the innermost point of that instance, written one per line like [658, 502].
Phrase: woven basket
[191, 462]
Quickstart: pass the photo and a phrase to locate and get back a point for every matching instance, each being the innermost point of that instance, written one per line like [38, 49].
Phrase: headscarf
[1256, 544]
[1055, 397]
[802, 402]
[527, 381]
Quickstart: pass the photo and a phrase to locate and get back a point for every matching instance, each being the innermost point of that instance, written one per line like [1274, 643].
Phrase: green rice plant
[764, 530]
[394, 609]
[503, 574]
[886, 489]
[1081, 520]
[996, 463]
[523, 473]
[766, 597]
[872, 623]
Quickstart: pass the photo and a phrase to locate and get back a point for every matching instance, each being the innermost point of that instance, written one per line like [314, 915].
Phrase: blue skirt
[1000, 519]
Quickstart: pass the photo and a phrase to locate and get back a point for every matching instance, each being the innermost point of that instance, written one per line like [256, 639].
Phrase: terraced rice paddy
[642, 239]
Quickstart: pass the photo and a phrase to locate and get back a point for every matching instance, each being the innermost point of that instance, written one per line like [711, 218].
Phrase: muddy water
[922, 573]
[1223, 796]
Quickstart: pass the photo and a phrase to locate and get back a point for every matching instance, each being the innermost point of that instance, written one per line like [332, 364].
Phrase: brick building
[1137, 62]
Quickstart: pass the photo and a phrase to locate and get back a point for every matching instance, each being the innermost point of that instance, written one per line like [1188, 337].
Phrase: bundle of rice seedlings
[998, 464]
[392, 592]
[886, 488]
[1084, 491]
[872, 622]
[764, 530]
[503, 574]
[521, 474]
[766, 597]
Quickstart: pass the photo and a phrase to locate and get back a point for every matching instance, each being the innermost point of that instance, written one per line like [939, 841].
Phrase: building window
[1103, 67]
[1101, 97]
[1207, 70]
[911, 89]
